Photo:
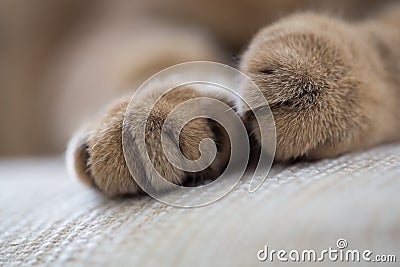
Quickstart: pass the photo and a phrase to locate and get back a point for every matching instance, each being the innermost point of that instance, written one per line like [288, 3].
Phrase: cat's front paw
[312, 71]
[95, 155]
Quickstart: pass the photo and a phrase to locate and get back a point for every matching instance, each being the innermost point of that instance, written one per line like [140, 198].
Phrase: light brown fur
[328, 84]
[332, 84]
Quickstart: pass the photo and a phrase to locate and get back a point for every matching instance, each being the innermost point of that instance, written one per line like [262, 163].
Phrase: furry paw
[325, 87]
[96, 157]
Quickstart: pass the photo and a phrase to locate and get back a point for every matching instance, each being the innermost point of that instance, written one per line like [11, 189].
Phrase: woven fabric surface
[47, 219]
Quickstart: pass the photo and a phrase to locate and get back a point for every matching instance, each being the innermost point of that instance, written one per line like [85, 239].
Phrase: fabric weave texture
[46, 219]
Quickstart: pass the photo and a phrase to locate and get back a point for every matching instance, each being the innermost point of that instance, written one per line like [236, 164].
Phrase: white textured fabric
[46, 219]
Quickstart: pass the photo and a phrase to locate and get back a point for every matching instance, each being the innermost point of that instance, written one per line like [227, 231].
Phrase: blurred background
[62, 61]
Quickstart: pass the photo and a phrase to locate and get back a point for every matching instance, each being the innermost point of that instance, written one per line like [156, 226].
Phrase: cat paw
[95, 155]
[324, 92]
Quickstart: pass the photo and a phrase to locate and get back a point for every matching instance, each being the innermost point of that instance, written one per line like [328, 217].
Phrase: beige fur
[332, 82]
[61, 61]
[332, 85]
[328, 82]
